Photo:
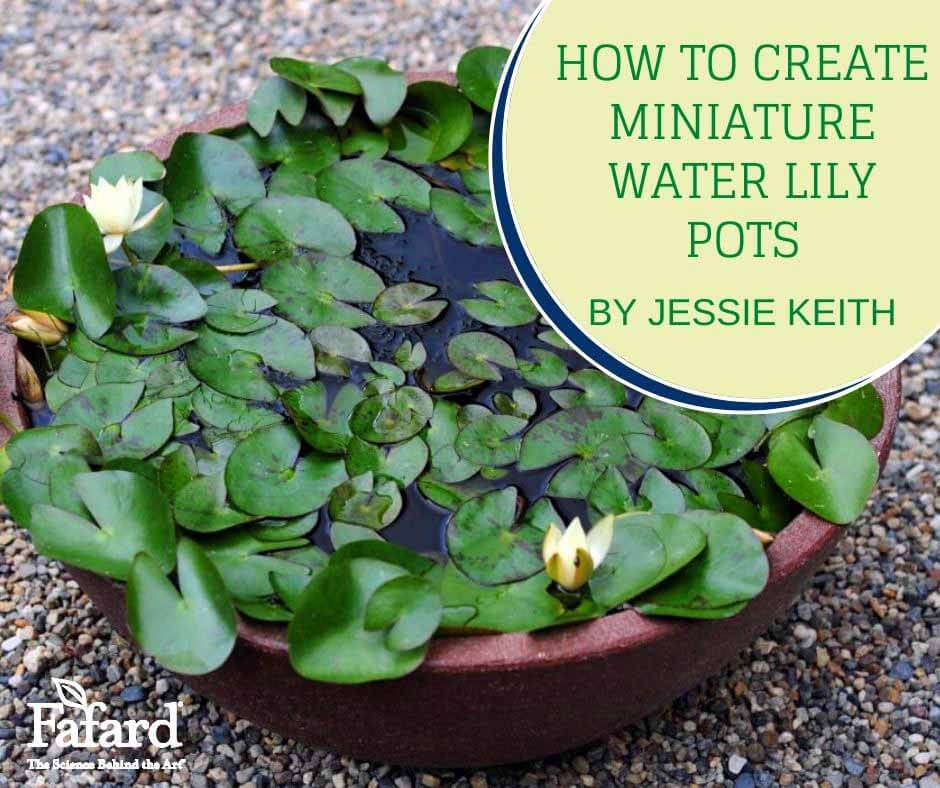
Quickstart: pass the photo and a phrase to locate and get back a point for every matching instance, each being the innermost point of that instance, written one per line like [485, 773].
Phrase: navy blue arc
[587, 347]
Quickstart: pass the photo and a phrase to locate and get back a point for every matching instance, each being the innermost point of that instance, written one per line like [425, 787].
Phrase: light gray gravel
[844, 692]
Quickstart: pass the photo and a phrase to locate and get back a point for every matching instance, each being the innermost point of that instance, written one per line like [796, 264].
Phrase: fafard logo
[50, 726]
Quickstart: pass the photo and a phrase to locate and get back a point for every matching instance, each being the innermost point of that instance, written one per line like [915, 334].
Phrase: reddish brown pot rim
[805, 537]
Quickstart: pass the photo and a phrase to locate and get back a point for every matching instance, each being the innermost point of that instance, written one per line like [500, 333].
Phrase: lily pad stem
[132, 258]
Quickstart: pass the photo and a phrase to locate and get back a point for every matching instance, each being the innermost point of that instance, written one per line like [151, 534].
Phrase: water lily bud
[571, 556]
[765, 538]
[36, 327]
[115, 208]
[27, 381]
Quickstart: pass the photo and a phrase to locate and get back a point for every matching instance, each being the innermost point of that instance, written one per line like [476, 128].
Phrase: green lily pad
[410, 356]
[33, 456]
[159, 292]
[861, 409]
[709, 486]
[341, 342]
[487, 547]
[505, 304]
[266, 476]
[272, 97]
[363, 501]
[383, 88]
[177, 470]
[576, 479]
[169, 380]
[279, 530]
[132, 165]
[479, 72]
[328, 640]
[548, 370]
[290, 587]
[202, 506]
[282, 346]
[553, 338]
[522, 403]
[326, 429]
[455, 381]
[467, 218]
[610, 494]
[478, 355]
[313, 293]
[62, 269]
[433, 123]
[205, 174]
[143, 335]
[678, 442]
[733, 568]
[147, 242]
[342, 534]
[278, 227]
[491, 441]
[446, 422]
[770, 509]
[598, 434]
[835, 478]
[191, 631]
[130, 516]
[596, 390]
[108, 412]
[403, 462]
[408, 609]
[732, 436]
[406, 305]
[238, 373]
[364, 142]
[362, 188]
[204, 277]
[245, 564]
[664, 495]
[634, 564]
[239, 311]
[393, 417]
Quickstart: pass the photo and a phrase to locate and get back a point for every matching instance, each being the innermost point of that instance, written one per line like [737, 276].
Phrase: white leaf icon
[71, 693]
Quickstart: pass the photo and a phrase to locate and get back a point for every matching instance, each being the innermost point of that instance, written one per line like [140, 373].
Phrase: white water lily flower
[36, 326]
[572, 556]
[115, 207]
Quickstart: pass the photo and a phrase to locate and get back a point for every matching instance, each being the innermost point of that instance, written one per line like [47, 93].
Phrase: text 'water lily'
[115, 207]
[572, 556]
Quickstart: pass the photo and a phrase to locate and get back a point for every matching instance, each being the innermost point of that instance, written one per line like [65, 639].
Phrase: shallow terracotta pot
[491, 699]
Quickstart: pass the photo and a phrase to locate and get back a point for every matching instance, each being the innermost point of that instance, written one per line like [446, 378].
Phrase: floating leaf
[861, 409]
[576, 479]
[239, 311]
[132, 165]
[157, 291]
[237, 373]
[363, 501]
[434, 122]
[597, 390]
[664, 495]
[142, 335]
[266, 476]
[709, 486]
[548, 370]
[278, 530]
[479, 72]
[360, 189]
[278, 227]
[508, 304]
[634, 564]
[408, 609]
[589, 433]
[478, 354]
[313, 293]
[410, 356]
[282, 346]
[342, 534]
[326, 429]
[130, 515]
[191, 631]
[466, 218]
[383, 88]
[62, 269]
[273, 96]
[522, 403]
[732, 436]
[206, 173]
[770, 509]
[202, 506]
[205, 278]
[405, 305]
[678, 442]
[342, 342]
[610, 494]
[491, 441]
[403, 462]
[392, 417]
[245, 566]
[454, 381]
[484, 544]
[836, 482]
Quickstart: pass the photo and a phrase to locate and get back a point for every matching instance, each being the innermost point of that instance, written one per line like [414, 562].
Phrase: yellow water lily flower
[27, 381]
[571, 556]
[116, 209]
[36, 326]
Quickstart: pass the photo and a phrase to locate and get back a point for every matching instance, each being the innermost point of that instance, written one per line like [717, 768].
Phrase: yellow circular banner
[735, 200]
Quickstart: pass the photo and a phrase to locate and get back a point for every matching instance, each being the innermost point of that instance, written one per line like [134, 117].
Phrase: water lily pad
[454, 381]
[576, 479]
[177, 470]
[634, 564]
[597, 434]
[246, 563]
[282, 346]
[204, 277]
[522, 403]
[664, 495]
[361, 190]
[410, 356]
[62, 269]
[479, 72]
[143, 335]
[132, 165]
[272, 97]
[147, 242]
[709, 486]
[468, 218]
[205, 174]
[835, 478]
[491, 441]
[265, 474]
[446, 422]
[312, 292]
[238, 373]
[861, 409]
[732, 436]
[478, 355]
[280, 226]
[129, 515]
[548, 370]
[108, 412]
[280, 530]
[364, 501]
[406, 305]
[433, 123]
[368, 143]
[505, 304]
[553, 338]
[769, 508]
[202, 506]
[610, 494]
[239, 311]
[596, 390]
[342, 534]
[403, 462]
[168, 380]
[157, 291]
[383, 88]
[408, 609]
[733, 568]
[324, 428]
[33, 456]
[191, 631]
[342, 342]
[290, 587]
[678, 442]
[392, 417]
[487, 547]
[328, 640]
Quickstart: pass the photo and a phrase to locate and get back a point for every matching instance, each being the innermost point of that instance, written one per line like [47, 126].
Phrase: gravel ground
[844, 692]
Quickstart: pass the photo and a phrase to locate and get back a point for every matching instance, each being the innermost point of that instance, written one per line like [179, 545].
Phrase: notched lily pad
[392, 417]
[506, 304]
[677, 442]
[408, 304]
[478, 354]
[240, 311]
[280, 226]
